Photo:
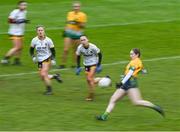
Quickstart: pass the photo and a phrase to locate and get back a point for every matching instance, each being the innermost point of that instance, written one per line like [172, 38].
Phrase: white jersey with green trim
[90, 54]
[42, 47]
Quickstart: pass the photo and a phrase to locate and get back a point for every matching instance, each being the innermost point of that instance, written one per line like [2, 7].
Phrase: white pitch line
[109, 64]
[109, 25]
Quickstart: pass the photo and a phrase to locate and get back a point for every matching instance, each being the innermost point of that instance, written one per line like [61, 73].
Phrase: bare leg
[91, 83]
[67, 44]
[46, 78]
[16, 48]
[74, 48]
[135, 96]
[118, 94]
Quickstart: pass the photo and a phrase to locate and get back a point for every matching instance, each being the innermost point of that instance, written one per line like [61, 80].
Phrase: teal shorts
[131, 83]
[72, 34]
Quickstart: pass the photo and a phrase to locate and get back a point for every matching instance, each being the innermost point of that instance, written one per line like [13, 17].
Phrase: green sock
[105, 115]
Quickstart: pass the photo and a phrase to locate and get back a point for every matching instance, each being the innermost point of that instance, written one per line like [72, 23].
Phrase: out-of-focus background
[115, 26]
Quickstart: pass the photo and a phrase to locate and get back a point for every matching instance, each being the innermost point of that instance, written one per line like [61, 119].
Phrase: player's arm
[128, 75]
[18, 21]
[53, 51]
[31, 51]
[78, 69]
[53, 55]
[79, 24]
[83, 21]
[126, 78]
[100, 58]
[78, 61]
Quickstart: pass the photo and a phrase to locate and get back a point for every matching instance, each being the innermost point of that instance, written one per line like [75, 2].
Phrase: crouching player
[92, 62]
[128, 86]
[45, 57]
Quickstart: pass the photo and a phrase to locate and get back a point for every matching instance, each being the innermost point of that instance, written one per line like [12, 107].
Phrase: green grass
[115, 26]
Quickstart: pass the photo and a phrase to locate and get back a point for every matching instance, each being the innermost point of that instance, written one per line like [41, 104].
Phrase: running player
[17, 20]
[92, 63]
[76, 21]
[45, 57]
[128, 86]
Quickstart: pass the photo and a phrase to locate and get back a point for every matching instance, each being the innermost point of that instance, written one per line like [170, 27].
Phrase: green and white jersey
[89, 54]
[42, 48]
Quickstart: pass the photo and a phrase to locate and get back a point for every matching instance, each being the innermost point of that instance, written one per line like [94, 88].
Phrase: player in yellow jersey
[76, 21]
[128, 86]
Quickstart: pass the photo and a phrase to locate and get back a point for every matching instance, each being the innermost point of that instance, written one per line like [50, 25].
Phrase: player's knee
[90, 79]
[43, 74]
[136, 102]
[17, 48]
[66, 50]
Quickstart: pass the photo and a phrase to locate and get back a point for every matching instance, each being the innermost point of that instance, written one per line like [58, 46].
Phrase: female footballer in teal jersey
[45, 56]
[128, 86]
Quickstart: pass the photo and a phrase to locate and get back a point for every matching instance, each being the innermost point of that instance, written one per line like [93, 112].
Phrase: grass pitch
[115, 26]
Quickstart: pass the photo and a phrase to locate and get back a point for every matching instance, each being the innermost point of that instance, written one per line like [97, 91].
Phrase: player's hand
[53, 62]
[34, 59]
[98, 68]
[72, 22]
[78, 70]
[144, 71]
[27, 21]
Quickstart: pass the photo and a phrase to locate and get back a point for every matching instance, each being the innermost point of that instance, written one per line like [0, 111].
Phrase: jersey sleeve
[78, 52]
[50, 42]
[136, 66]
[83, 18]
[97, 50]
[33, 43]
[12, 15]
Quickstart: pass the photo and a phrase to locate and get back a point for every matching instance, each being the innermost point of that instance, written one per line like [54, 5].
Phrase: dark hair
[137, 51]
[84, 36]
[21, 1]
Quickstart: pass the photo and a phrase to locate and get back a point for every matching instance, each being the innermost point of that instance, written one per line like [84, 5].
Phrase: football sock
[158, 109]
[7, 57]
[49, 89]
[105, 115]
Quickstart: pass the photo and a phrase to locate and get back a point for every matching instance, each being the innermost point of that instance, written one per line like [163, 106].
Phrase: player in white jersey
[17, 20]
[45, 57]
[92, 62]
